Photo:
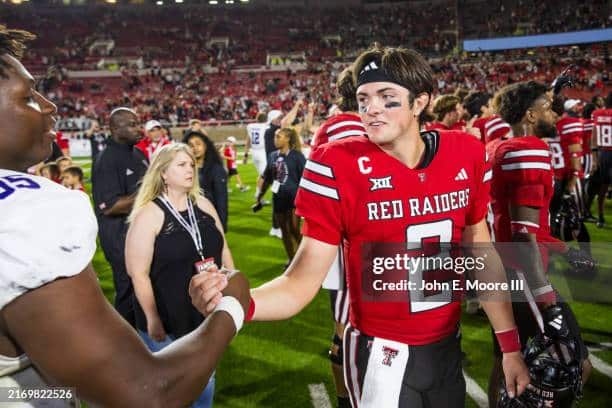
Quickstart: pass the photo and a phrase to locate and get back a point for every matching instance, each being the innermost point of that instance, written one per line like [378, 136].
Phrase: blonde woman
[172, 227]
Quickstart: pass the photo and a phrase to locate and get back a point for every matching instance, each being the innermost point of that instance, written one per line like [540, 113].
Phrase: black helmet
[565, 223]
[556, 375]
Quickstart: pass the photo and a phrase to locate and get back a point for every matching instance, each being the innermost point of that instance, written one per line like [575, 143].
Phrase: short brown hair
[444, 104]
[345, 85]
[262, 117]
[75, 171]
[406, 67]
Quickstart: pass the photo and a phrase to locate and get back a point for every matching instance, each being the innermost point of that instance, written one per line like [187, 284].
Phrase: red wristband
[251, 312]
[509, 340]
[545, 295]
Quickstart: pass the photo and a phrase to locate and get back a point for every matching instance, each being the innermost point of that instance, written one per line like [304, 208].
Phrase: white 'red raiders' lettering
[439, 203]
[385, 210]
[362, 167]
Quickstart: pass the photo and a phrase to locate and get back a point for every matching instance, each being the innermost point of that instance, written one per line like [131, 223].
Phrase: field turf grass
[272, 364]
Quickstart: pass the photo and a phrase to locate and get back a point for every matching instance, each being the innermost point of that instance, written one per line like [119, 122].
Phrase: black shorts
[605, 166]
[232, 172]
[384, 373]
[283, 202]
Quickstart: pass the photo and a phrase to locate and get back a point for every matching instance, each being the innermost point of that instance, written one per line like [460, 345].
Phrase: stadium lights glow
[160, 3]
[229, 1]
[244, 1]
[111, 1]
[213, 2]
[178, 1]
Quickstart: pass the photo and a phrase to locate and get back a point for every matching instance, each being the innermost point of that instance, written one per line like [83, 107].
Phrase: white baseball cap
[231, 139]
[570, 103]
[152, 124]
[274, 114]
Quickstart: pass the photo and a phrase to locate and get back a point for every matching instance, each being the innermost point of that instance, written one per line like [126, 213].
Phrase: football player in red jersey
[344, 123]
[396, 187]
[490, 125]
[602, 146]
[447, 111]
[521, 191]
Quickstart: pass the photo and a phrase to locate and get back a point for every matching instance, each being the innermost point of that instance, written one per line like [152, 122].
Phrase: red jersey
[436, 126]
[492, 128]
[602, 120]
[587, 133]
[353, 193]
[569, 131]
[522, 176]
[230, 157]
[149, 147]
[459, 125]
[62, 141]
[338, 127]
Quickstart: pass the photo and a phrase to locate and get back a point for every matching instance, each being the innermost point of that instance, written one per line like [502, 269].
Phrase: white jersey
[46, 232]
[256, 133]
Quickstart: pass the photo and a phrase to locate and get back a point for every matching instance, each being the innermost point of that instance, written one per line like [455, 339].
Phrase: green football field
[273, 364]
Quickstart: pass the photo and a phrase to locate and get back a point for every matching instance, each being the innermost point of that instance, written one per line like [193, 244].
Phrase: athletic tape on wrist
[232, 306]
[509, 340]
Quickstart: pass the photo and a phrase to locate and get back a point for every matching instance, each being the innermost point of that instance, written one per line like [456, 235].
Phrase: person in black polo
[115, 177]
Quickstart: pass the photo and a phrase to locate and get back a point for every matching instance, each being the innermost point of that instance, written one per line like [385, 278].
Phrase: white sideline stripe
[600, 365]
[320, 169]
[319, 189]
[346, 133]
[526, 165]
[318, 395]
[492, 122]
[475, 392]
[345, 123]
[524, 153]
[498, 126]
[574, 130]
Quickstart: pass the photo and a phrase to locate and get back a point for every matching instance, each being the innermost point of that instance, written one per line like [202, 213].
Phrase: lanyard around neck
[191, 227]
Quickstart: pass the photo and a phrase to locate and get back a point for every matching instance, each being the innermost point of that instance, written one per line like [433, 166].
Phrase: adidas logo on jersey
[462, 175]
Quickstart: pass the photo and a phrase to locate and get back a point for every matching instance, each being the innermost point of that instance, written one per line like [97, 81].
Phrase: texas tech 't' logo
[390, 354]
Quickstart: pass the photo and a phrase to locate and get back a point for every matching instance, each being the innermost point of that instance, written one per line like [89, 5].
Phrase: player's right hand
[516, 373]
[238, 287]
[205, 289]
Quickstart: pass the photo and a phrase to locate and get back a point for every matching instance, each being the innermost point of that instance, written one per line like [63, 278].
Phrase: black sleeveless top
[172, 268]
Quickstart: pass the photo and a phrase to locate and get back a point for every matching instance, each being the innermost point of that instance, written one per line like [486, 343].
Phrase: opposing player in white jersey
[54, 318]
[256, 143]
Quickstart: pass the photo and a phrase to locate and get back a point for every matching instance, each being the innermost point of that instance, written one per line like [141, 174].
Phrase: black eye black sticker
[393, 104]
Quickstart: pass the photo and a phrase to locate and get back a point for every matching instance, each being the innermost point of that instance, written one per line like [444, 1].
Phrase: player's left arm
[498, 309]
[575, 152]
